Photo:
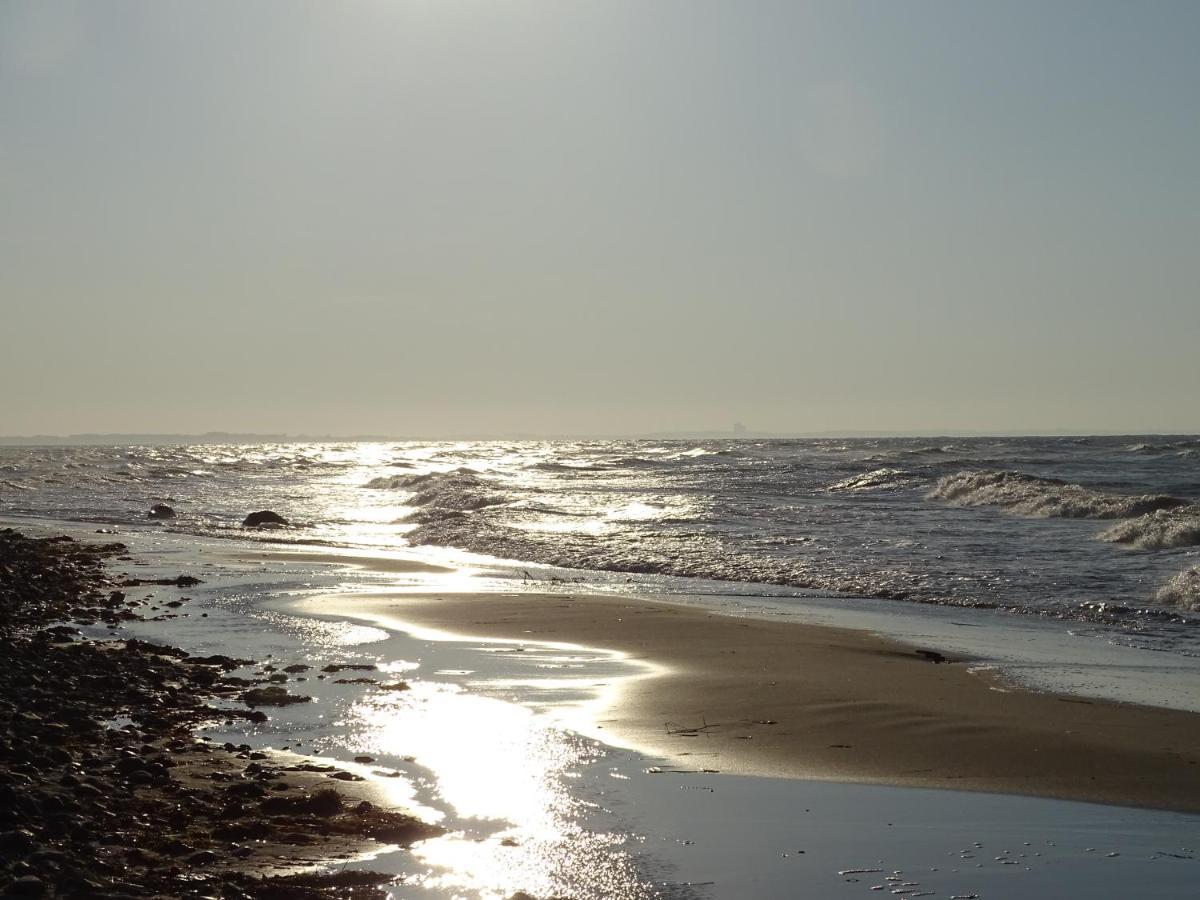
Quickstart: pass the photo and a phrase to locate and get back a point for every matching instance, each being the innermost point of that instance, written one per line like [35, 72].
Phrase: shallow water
[482, 742]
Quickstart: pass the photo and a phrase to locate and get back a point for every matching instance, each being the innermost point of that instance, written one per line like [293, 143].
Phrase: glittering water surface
[1097, 529]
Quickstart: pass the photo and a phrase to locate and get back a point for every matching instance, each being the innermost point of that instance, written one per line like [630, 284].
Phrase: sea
[1077, 557]
[1098, 530]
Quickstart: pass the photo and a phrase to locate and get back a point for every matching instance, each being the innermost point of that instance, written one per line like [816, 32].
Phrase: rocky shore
[105, 789]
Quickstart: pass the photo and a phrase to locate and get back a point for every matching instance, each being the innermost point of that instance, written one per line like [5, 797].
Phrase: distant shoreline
[222, 437]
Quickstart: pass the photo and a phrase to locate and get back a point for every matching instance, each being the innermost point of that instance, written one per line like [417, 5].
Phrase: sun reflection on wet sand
[503, 763]
[505, 768]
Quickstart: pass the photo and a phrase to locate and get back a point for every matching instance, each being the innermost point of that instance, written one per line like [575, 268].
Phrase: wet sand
[374, 563]
[781, 698]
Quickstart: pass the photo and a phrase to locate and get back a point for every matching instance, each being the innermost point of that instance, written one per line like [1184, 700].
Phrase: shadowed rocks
[264, 519]
[190, 816]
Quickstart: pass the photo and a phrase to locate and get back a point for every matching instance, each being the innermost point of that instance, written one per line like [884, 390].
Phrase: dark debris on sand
[92, 809]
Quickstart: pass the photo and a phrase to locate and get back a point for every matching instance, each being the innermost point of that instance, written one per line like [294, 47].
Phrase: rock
[129, 764]
[932, 656]
[324, 803]
[400, 832]
[246, 790]
[264, 519]
[272, 696]
[26, 886]
[161, 511]
[18, 841]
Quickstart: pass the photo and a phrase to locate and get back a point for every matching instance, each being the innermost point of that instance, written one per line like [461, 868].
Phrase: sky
[449, 218]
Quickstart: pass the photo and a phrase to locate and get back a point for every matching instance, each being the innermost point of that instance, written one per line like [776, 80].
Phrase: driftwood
[686, 731]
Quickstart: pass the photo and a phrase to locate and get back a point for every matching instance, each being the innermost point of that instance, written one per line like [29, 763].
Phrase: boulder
[263, 519]
[161, 511]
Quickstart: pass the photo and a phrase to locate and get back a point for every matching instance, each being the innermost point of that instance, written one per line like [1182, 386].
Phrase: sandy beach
[771, 698]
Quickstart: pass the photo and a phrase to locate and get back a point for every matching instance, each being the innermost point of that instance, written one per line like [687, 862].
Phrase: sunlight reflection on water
[507, 768]
[483, 742]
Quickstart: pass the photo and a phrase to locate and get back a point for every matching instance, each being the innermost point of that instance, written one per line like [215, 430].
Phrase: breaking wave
[410, 482]
[1159, 530]
[1028, 495]
[442, 493]
[1182, 591]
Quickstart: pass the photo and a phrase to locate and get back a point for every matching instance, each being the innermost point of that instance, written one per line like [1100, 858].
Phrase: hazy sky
[448, 217]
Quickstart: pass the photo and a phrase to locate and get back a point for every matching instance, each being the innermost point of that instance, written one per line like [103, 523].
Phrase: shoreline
[99, 739]
[757, 697]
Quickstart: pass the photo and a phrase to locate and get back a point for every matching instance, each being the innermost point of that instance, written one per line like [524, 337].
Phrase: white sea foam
[1044, 497]
[1182, 591]
[879, 478]
[1159, 530]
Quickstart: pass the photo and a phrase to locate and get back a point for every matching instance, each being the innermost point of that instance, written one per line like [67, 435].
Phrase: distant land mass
[231, 437]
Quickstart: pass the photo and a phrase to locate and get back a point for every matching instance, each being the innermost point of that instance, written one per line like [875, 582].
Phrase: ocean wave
[1159, 530]
[1182, 591]
[389, 483]
[558, 466]
[697, 452]
[641, 462]
[687, 555]
[409, 482]
[1185, 447]
[1029, 495]
[456, 491]
[879, 478]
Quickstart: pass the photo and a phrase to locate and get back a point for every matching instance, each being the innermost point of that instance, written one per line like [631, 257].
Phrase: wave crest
[879, 478]
[410, 482]
[1159, 530]
[1028, 495]
[1182, 591]
[443, 494]
[1180, 448]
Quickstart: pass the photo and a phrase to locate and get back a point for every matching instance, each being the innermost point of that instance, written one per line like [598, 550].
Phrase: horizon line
[696, 434]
